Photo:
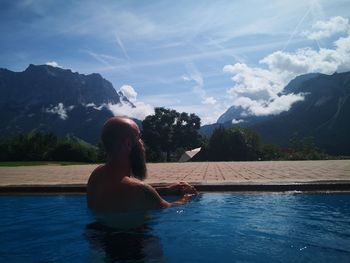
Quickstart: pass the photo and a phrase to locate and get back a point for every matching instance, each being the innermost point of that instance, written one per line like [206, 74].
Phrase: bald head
[121, 138]
[116, 131]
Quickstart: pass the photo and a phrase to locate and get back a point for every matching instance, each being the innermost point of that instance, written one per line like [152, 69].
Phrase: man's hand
[182, 188]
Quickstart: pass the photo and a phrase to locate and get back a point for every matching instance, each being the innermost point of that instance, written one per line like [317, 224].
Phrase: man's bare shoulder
[93, 182]
[96, 174]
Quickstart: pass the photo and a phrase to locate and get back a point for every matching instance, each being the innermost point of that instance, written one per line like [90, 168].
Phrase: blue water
[214, 227]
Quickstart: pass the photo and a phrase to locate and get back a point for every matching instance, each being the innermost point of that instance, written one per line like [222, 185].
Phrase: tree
[233, 144]
[271, 152]
[186, 131]
[72, 150]
[39, 146]
[304, 148]
[167, 130]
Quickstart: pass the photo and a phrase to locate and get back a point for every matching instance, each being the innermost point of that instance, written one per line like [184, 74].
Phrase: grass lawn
[33, 163]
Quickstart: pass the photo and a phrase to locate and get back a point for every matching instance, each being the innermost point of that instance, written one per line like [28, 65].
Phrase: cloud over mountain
[258, 90]
[129, 92]
[137, 109]
[60, 110]
[53, 64]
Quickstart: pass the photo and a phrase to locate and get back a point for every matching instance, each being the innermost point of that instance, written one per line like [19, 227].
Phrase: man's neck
[118, 168]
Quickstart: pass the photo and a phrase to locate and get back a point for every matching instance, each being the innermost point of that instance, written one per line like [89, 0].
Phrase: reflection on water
[124, 236]
[111, 244]
[123, 220]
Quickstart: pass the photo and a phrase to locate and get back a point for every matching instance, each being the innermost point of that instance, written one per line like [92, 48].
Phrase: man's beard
[138, 162]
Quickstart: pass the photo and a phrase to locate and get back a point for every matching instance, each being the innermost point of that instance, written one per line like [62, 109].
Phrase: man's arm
[154, 200]
[176, 189]
[164, 190]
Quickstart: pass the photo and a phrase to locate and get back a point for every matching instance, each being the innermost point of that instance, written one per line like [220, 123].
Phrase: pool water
[214, 227]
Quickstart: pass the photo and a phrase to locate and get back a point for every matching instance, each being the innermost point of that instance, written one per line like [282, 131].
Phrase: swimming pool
[214, 227]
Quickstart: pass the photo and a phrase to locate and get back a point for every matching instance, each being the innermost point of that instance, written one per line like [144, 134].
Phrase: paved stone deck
[204, 172]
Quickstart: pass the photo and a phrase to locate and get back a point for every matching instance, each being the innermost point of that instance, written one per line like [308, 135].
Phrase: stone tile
[230, 172]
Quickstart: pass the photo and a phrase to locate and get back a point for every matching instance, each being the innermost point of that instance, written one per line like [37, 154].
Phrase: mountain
[49, 98]
[323, 114]
[235, 114]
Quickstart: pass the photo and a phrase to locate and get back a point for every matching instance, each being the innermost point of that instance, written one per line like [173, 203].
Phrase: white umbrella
[189, 154]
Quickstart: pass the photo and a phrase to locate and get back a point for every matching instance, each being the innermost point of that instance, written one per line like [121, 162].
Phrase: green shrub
[39, 146]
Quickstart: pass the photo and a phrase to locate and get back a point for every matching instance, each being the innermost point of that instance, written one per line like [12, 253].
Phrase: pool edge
[310, 186]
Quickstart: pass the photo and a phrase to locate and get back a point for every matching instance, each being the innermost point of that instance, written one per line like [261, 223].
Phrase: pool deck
[207, 176]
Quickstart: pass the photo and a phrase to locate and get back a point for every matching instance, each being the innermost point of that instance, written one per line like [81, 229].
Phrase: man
[117, 185]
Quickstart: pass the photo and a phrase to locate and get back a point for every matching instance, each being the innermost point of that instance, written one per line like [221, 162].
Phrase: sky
[195, 56]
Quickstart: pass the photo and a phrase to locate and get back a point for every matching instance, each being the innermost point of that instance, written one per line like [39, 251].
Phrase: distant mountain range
[323, 114]
[49, 98]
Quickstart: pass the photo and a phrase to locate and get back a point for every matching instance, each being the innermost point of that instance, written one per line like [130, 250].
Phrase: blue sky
[194, 56]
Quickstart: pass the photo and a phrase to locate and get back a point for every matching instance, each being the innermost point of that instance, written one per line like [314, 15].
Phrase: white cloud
[257, 89]
[208, 115]
[53, 64]
[196, 76]
[209, 100]
[256, 83]
[234, 121]
[325, 29]
[60, 110]
[323, 60]
[93, 105]
[273, 106]
[176, 101]
[210, 118]
[140, 111]
[129, 92]
[186, 78]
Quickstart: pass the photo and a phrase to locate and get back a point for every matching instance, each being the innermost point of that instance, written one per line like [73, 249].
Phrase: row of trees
[167, 135]
[38, 146]
[242, 144]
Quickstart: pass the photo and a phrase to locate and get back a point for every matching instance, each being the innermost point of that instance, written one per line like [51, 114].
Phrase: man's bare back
[125, 194]
[113, 187]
